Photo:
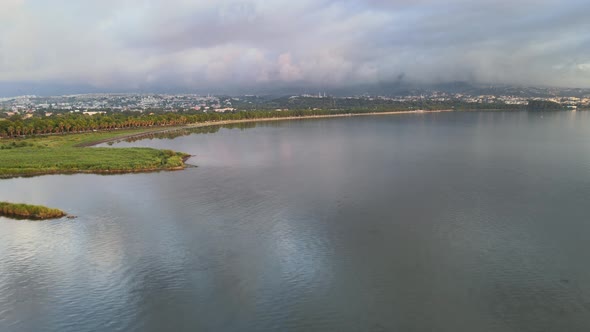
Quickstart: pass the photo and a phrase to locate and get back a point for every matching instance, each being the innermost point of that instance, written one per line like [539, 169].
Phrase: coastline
[97, 172]
[230, 122]
[100, 160]
[68, 143]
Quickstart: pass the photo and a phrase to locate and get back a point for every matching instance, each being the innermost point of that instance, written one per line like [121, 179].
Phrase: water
[434, 222]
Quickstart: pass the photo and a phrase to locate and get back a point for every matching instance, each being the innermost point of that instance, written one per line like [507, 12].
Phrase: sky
[253, 46]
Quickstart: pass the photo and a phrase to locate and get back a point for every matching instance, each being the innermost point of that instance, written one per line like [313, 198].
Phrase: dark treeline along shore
[61, 122]
[39, 145]
[67, 123]
[64, 121]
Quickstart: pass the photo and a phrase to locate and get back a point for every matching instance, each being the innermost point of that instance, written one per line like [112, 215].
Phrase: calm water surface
[435, 222]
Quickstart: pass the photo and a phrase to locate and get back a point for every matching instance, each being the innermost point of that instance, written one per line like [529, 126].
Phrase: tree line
[16, 126]
[62, 122]
[544, 105]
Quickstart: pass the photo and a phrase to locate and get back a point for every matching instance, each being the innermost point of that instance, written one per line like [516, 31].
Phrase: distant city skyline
[92, 104]
[255, 46]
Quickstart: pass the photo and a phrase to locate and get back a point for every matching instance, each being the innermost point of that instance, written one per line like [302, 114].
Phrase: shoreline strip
[228, 122]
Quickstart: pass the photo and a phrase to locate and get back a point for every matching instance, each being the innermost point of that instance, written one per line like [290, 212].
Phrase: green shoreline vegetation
[59, 147]
[61, 154]
[26, 211]
[55, 145]
[69, 123]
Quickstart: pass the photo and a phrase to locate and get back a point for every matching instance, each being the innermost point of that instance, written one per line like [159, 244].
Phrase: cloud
[253, 44]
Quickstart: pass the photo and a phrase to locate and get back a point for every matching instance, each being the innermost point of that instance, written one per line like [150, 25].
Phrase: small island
[26, 211]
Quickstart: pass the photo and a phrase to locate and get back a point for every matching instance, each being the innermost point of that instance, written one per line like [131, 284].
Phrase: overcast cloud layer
[256, 44]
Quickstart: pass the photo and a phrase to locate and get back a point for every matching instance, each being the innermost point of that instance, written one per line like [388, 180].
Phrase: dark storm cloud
[254, 44]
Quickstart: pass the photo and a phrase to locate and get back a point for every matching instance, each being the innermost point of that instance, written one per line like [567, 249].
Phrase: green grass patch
[59, 154]
[33, 161]
[26, 211]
